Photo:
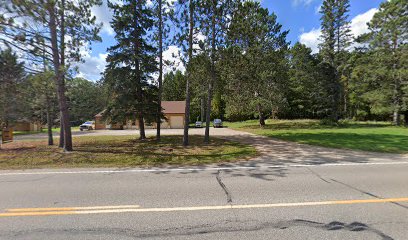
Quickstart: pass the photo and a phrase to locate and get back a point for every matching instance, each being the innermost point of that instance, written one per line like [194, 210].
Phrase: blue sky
[301, 17]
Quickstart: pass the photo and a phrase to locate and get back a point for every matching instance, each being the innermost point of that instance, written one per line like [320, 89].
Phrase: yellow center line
[70, 208]
[133, 209]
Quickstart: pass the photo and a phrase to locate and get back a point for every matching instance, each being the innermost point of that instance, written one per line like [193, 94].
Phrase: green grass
[54, 130]
[367, 136]
[122, 151]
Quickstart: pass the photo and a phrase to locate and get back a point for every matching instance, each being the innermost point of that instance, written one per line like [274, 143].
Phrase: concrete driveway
[272, 151]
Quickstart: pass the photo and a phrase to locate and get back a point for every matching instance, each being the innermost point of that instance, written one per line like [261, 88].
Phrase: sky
[300, 17]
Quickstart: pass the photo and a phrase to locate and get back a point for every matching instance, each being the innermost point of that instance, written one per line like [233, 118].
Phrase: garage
[176, 122]
[173, 112]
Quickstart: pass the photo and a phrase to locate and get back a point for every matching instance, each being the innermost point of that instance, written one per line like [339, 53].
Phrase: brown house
[173, 112]
[26, 126]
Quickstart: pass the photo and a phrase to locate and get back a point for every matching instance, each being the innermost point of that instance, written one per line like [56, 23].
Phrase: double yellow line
[136, 208]
[15, 212]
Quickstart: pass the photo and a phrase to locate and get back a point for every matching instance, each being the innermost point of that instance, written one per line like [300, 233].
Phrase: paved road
[291, 191]
[341, 201]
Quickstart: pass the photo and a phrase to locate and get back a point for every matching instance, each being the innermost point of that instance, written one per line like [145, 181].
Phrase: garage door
[176, 121]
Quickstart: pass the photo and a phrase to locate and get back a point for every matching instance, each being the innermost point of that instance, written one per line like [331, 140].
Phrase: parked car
[198, 124]
[90, 125]
[217, 123]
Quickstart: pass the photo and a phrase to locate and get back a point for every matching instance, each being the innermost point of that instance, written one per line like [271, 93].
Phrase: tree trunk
[213, 75]
[261, 116]
[406, 118]
[49, 122]
[202, 109]
[61, 133]
[396, 118]
[160, 71]
[142, 127]
[59, 81]
[138, 73]
[190, 56]
[335, 98]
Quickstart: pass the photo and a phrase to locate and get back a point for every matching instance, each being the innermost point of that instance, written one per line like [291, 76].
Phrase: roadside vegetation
[122, 151]
[366, 136]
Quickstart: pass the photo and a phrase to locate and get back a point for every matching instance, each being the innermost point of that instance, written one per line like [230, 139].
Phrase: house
[173, 112]
[26, 126]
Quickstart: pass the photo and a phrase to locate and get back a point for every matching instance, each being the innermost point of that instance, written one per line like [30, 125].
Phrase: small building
[26, 126]
[173, 112]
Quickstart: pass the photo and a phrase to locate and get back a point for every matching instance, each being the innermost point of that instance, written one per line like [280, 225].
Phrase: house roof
[100, 114]
[169, 107]
[172, 107]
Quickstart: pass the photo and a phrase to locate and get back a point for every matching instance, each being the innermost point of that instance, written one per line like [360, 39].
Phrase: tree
[185, 20]
[174, 85]
[163, 10]
[12, 76]
[86, 99]
[130, 64]
[52, 30]
[214, 21]
[336, 39]
[257, 56]
[42, 96]
[307, 94]
[388, 38]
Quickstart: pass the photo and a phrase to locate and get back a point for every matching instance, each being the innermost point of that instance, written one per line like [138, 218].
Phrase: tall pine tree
[388, 38]
[131, 63]
[336, 38]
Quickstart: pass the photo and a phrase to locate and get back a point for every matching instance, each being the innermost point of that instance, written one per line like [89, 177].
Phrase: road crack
[218, 177]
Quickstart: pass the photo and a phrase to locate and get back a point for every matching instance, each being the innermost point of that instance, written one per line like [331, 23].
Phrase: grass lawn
[367, 136]
[122, 151]
[54, 130]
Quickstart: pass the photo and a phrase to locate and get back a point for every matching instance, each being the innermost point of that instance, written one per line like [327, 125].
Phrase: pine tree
[41, 28]
[258, 47]
[12, 75]
[336, 39]
[214, 21]
[163, 11]
[185, 19]
[131, 63]
[388, 39]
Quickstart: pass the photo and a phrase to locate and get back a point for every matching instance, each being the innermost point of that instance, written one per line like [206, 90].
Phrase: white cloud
[93, 66]
[358, 27]
[104, 15]
[311, 39]
[172, 55]
[302, 2]
[359, 23]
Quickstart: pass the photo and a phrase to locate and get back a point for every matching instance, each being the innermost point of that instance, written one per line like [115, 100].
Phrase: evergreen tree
[307, 95]
[258, 47]
[214, 21]
[131, 63]
[388, 38]
[174, 85]
[185, 18]
[40, 94]
[12, 76]
[336, 38]
[52, 30]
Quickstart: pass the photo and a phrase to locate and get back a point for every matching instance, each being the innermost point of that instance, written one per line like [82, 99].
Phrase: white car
[198, 124]
[90, 125]
[217, 123]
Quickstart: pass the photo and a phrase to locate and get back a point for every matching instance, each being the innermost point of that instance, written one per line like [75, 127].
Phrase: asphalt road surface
[333, 201]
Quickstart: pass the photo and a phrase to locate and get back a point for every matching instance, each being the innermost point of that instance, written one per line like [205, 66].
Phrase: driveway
[272, 151]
